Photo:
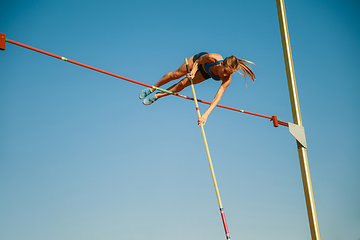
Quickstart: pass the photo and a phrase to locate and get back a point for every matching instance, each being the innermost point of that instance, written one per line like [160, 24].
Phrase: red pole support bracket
[2, 41]
[275, 121]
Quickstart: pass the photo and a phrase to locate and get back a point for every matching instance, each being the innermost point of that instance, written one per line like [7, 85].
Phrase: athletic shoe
[144, 93]
[149, 100]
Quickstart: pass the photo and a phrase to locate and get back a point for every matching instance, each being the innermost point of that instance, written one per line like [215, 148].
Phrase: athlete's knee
[184, 83]
[176, 74]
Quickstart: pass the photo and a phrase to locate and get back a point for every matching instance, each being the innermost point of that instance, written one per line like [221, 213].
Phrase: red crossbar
[134, 81]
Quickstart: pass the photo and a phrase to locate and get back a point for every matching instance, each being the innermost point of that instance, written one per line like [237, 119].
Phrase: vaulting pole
[295, 107]
[208, 155]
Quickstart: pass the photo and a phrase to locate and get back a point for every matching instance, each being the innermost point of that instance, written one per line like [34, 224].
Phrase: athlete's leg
[178, 87]
[170, 76]
[180, 72]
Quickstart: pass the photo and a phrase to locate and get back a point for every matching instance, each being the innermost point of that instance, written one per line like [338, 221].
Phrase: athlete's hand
[202, 119]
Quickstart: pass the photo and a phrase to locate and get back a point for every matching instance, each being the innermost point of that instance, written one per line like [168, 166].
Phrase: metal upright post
[304, 165]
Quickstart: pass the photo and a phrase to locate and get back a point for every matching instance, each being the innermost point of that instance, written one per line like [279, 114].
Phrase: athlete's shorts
[197, 56]
[200, 67]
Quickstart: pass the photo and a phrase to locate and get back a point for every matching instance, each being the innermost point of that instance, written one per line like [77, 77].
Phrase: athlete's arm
[216, 100]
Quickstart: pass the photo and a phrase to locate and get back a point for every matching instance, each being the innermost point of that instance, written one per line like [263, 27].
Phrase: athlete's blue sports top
[207, 67]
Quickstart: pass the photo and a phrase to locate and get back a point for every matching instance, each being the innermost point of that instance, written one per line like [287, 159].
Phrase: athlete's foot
[144, 93]
[150, 100]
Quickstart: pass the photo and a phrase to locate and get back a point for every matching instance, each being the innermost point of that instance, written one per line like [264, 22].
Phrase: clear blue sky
[82, 158]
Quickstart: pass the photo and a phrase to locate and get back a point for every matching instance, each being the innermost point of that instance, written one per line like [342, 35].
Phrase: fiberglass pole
[304, 164]
[208, 156]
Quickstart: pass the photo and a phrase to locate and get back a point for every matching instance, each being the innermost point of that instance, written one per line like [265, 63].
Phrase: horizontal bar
[137, 82]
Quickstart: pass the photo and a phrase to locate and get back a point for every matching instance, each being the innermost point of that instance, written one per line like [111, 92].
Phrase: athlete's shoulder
[214, 57]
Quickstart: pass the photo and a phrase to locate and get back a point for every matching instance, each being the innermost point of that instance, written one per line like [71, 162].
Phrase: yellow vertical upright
[295, 107]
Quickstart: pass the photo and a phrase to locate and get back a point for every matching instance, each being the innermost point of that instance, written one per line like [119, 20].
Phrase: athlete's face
[225, 71]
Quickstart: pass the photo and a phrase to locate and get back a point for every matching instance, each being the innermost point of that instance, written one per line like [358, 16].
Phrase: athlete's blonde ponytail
[238, 65]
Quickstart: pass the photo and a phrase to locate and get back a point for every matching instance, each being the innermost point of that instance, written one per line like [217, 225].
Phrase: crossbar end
[2, 41]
